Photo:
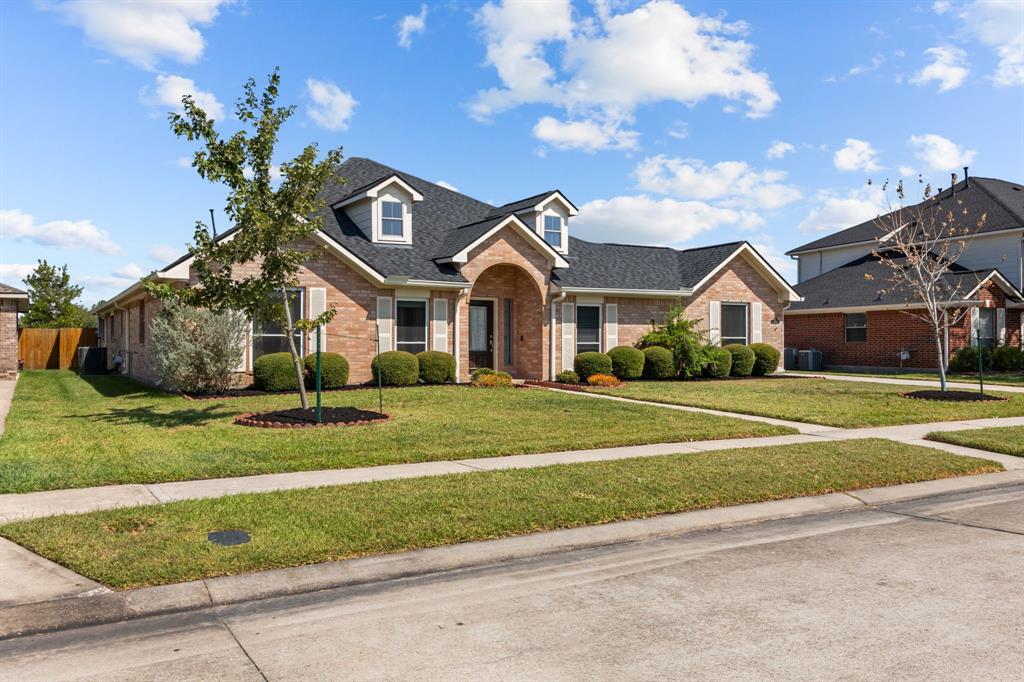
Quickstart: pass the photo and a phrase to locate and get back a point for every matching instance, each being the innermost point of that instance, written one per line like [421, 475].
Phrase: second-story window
[392, 224]
[553, 230]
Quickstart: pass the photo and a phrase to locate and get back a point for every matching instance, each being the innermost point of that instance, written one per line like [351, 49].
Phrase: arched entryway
[505, 322]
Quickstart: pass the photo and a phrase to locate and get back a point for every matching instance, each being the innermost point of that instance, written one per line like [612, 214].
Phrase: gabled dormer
[383, 211]
[548, 215]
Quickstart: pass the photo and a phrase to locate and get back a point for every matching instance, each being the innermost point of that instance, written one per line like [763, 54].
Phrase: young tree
[270, 225]
[53, 299]
[920, 246]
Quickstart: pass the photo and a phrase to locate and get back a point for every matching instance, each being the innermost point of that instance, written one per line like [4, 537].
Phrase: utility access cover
[228, 538]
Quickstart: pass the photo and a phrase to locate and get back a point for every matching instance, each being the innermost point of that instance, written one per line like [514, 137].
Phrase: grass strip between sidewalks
[1008, 440]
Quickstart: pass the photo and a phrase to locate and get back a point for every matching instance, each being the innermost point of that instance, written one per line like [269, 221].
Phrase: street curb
[82, 611]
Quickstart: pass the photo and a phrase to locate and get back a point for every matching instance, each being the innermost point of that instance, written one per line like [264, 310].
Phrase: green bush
[481, 371]
[197, 350]
[590, 362]
[683, 338]
[567, 377]
[658, 363]
[436, 367]
[333, 370]
[396, 368]
[493, 379]
[966, 359]
[719, 363]
[766, 359]
[274, 372]
[1007, 359]
[627, 362]
[742, 360]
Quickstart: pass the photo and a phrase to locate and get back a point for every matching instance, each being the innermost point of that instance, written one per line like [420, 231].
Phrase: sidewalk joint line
[235, 637]
[952, 522]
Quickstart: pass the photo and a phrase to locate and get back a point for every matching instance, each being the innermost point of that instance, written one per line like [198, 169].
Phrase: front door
[481, 334]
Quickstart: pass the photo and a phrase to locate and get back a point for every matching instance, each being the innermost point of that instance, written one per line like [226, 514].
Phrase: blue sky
[667, 123]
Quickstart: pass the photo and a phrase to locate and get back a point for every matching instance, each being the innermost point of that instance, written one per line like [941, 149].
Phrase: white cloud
[999, 24]
[142, 31]
[587, 135]
[613, 64]
[64, 234]
[948, 68]
[679, 130]
[908, 172]
[169, 89]
[837, 212]
[730, 183]
[785, 265]
[129, 271]
[183, 162]
[940, 6]
[939, 153]
[332, 107]
[859, 69]
[643, 220]
[446, 185]
[163, 254]
[410, 25]
[778, 149]
[856, 155]
[13, 273]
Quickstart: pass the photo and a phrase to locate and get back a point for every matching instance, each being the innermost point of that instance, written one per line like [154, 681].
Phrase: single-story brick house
[845, 314]
[508, 287]
[12, 302]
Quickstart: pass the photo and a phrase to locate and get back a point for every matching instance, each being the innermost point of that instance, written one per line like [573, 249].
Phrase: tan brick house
[419, 266]
[12, 302]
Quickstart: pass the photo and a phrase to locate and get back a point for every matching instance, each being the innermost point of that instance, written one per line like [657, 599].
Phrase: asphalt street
[928, 589]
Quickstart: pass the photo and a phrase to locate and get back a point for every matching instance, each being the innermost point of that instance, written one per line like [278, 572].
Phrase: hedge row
[275, 371]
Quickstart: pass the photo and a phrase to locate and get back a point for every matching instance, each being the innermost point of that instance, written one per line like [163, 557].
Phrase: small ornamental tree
[195, 349]
[920, 245]
[53, 299]
[683, 337]
[269, 224]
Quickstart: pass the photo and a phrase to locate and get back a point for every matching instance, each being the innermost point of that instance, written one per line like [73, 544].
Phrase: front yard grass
[817, 401]
[67, 431]
[991, 378]
[155, 545]
[1009, 440]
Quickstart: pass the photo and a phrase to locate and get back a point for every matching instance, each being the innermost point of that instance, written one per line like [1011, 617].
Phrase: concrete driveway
[922, 590]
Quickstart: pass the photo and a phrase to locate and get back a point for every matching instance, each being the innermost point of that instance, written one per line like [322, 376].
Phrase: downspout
[555, 300]
[124, 334]
[463, 293]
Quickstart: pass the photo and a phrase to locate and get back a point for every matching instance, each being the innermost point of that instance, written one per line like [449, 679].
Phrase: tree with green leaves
[270, 225]
[53, 299]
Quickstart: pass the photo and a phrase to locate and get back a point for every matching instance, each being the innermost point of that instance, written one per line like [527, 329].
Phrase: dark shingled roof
[1001, 201]
[860, 282]
[521, 205]
[8, 289]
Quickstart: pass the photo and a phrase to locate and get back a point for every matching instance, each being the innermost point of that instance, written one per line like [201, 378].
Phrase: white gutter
[555, 300]
[642, 293]
[463, 293]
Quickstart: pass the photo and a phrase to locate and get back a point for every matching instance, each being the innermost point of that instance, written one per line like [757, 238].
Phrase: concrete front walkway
[896, 380]
[79, 500]
[6, 397]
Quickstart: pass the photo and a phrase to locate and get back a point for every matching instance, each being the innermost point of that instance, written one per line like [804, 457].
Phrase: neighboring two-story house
[845, 314]
[419, 266]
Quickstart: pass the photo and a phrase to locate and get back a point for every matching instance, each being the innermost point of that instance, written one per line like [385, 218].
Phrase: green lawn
[66, 431]
[1008, 440]
[818, 401]
[995, 379]
[167, 543]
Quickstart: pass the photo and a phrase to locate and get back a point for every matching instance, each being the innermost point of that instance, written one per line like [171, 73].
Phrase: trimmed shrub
[196, 350]
[742, 360]
[274, 372]
[481, 371]
[396, 368]
[1007, 359]
[333, 370]
[627, 362]
[966, 359]
[719, 363]
[658, 363]
[589, 363]
[436, 367]
[567, 377]
[603, 380]
[494, 379]
[766, 359]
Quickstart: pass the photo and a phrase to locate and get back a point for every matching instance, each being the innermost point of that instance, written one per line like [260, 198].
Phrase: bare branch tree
[920, 245]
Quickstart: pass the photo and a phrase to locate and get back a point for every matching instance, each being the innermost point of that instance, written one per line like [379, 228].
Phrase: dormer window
[392, 222]
[553, 230]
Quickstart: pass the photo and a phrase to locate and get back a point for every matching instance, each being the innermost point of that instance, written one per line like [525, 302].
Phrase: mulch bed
[951, 396]
[298, 418]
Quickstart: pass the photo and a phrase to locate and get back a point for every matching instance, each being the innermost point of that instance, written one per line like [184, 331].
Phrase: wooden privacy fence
[40, 348]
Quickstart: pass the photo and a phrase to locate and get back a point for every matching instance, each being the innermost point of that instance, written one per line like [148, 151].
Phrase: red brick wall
[8, 338]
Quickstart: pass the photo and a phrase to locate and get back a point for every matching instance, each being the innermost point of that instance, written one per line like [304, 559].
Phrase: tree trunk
[942, 357]
[296, 360]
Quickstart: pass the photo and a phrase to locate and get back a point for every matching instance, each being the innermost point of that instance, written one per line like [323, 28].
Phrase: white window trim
[302, 337]
[426, 320]
[560, 246]
[401, 213]
[600, 325]
[378, 222]
[746, 322]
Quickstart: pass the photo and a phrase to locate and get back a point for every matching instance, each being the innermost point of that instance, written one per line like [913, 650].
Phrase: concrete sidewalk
[79, 500]
[6, 397]
[895, 380]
